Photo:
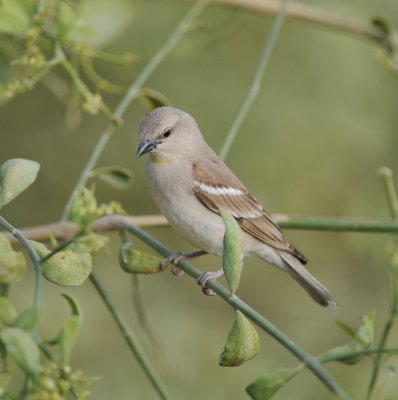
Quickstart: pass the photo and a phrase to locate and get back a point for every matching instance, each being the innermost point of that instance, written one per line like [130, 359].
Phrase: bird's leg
[175, 258]
[202, 280]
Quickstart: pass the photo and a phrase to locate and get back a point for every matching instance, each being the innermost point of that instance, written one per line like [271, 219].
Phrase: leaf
[134, 261]
[233, 248]
[84, 208]
[16, 175]
[108, 19]
[28, 319]
[12, 263]
[349, 330]
[14, 16]
[68, 334]
[266, 385]
[65, 268]
[242, 344]
[115, 176]
[152, 99]
[8, 313]
[362, 340]
[22, 348]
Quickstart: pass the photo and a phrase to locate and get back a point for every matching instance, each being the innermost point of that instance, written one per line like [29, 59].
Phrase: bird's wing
[218, 188]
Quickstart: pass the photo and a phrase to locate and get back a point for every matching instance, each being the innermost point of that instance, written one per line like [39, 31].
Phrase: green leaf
[16, 175]
[349, 330]
[233, 248]
[66, 20]
[136, 262]
[108, 19]
[152, 99]
[65, 268]
[362, 340]
[22, 348]
[115, 176]
[242, 344]
[68, 334]
[8, 313]
[266, 385]
[28, 319]
[12, 263]
[84, 208]
[14, 16]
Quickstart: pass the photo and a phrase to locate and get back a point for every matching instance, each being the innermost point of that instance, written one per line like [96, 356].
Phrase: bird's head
[167, 131]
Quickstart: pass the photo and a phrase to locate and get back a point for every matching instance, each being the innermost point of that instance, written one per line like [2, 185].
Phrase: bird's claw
[205, 277]
[174, 259]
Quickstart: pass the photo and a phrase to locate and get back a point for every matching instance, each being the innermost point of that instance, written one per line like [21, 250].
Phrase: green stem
[337, 224]
[311, 362]
[131, 339]
[384, 336]
[386, 174]
[181, 29]
[256, 83]
[62, 246]
[366, 352]
[36, 263]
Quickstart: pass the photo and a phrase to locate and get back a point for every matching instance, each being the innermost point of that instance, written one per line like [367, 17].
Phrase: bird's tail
[314, 288]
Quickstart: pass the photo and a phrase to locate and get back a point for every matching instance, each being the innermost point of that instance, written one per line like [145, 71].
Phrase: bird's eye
[167, 132]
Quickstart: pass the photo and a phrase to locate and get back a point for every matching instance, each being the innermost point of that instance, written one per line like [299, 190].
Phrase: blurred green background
[326, 118]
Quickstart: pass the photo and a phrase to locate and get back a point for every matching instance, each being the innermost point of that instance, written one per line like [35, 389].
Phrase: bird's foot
[202, 281]
[175, 258]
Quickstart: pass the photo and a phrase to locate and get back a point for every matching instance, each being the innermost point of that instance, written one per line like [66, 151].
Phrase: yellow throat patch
[159, 161]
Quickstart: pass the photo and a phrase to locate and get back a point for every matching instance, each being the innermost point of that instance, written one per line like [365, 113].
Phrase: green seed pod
[8, 313]
[267, 384]
[12, 263]
[233, 248]
[65, 268]
[242, 344]
[136, 262]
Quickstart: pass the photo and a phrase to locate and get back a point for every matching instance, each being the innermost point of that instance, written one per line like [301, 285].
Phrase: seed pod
[8, 313]
[65, 268]
[12, 263]
[242, 344]
[233, 247]
[134, 261]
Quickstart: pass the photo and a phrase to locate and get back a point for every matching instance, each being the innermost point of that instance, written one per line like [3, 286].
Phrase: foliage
[42, 42]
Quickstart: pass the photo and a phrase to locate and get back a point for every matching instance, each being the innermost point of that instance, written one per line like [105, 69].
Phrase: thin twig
[364, 352]
[386, 174]
[114, 223]
[255, 86]
[313, 15]
[131, 339]
[311, 362]
[36, 263]
[181, 29]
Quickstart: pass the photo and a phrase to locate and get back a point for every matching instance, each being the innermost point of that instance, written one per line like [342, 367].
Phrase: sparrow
[190, 184]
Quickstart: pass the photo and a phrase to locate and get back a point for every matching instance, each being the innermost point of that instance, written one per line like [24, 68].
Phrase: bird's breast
[171, 188]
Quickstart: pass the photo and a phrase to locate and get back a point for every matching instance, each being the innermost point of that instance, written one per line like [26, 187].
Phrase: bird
[190, 184]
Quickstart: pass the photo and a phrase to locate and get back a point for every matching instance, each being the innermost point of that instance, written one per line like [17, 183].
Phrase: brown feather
[250, 215]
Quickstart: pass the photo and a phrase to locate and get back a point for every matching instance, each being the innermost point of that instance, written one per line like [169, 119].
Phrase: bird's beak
[144, 147]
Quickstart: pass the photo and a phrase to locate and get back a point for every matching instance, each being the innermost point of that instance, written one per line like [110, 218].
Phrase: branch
[312, 15]
[113, 223]
[131, 339]
[19, 236]
[308, 360]
[255, 85]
